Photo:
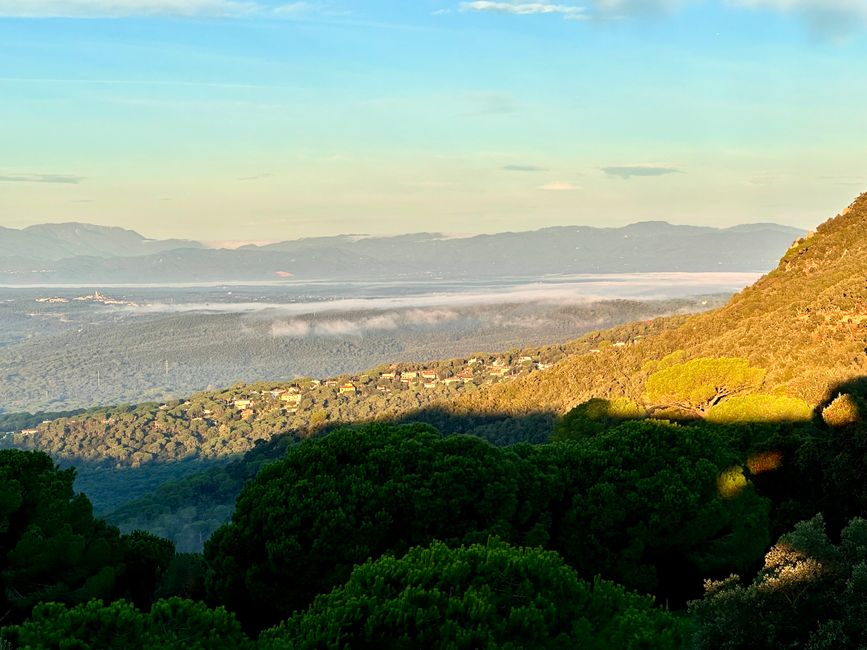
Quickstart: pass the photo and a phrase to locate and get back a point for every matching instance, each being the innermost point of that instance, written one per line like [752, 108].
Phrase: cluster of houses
[288, 399]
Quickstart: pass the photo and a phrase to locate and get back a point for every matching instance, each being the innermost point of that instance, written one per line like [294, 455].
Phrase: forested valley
[689, 482]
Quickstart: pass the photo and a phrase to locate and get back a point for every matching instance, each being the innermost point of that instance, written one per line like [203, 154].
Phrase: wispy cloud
[299, 327]
[123, 8]
[826, 19]
[569, 12]
[643, 169]
[523, 168]
[558, 187]
[427, 309]
[591, 9]
[255, 177]
[627, 8]
[151, 8]
[63, 179]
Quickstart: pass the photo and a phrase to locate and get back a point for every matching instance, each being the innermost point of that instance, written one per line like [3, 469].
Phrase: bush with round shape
[482, 596]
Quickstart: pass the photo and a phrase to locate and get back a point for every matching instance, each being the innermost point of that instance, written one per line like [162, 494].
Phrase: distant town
[95, 297]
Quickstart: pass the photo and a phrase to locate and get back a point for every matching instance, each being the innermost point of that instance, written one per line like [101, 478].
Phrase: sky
[264, 120]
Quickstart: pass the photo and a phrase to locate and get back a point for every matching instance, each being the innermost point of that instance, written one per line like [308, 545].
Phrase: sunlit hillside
[805, 323]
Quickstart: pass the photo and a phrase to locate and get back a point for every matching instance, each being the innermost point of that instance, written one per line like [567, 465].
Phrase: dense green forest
[624, 535]
[698, 484]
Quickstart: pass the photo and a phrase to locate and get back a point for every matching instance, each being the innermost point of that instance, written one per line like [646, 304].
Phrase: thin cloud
[345, 327]
[124, 8]
[593, 9]
[568, 12]
[648, 169]
[523, 168]
[255, 177]
[63, 179]
[95, 9]
[827, 19]
[558, 187]
[627, 8]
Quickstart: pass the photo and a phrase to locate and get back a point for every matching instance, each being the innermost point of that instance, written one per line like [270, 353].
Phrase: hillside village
[215, 424]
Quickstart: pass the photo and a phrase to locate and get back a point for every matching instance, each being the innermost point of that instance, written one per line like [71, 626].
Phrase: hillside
[78, 253]
[805, 323]
[56, 241]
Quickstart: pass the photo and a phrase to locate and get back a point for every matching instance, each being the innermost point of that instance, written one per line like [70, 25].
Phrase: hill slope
[805, 322]
[55, 241]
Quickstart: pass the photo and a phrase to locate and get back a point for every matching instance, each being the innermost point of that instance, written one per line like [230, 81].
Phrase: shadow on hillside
[780, 458]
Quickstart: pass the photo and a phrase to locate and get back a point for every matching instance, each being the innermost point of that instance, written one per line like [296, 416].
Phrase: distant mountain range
[84, 253]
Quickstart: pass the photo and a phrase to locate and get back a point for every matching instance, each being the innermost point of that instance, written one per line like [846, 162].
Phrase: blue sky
[233, 120]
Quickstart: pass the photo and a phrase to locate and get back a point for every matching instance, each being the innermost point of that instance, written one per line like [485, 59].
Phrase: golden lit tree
[698, 385]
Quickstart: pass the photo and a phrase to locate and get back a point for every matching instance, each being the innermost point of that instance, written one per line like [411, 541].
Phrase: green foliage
[18, 421]
[699, 385]
[641, 504]
[484, 596]
[760, 408]
[146, 560]
[304, 522]
[184, 577]
[51, 547]
[174, 624]
[810, 594]
[594, 416]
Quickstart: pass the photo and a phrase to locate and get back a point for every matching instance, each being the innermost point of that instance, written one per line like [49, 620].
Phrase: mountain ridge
[55, 241]
[640, 247]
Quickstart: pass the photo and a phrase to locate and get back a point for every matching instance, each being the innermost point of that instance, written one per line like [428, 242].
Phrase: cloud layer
[65, 179]
[569, 12]
[341, 327]
[644, 169]
[523, 168]
[145, 8]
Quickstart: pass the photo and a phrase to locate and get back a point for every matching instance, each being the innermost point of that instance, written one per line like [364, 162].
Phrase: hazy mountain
[94, 254]
[55, 241]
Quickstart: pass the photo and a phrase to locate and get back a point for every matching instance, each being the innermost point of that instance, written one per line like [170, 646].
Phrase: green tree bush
[642, 504]
[483, 596]
[594, 416]
[639, 504]
[700, 384]
[51, 547]
[760, 408]
[305, 521]
[810, 594]
[173, 624]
